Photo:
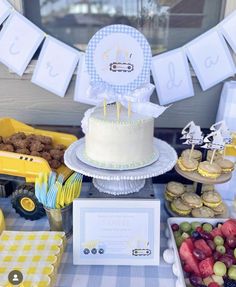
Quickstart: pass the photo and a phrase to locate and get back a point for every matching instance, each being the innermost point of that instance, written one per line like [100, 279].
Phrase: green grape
[218, 240]
[207, 227]
[219, 268]
[195, 224]
[185, 226]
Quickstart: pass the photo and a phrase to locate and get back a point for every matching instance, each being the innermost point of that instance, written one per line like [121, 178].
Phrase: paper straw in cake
[118, 110]
[105, 107]
[129, 109]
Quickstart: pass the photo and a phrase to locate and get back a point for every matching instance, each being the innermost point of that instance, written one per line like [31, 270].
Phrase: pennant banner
[228, 28]
[208, 54]
[83, 84]
[210, 58]
[5, 10]
[55, 66]
[172, 77]
[19, 40]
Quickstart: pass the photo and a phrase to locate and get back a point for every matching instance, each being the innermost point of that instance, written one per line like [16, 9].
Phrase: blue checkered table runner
[99, 276]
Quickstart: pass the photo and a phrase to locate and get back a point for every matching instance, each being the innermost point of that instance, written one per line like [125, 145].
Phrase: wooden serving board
[195, 176]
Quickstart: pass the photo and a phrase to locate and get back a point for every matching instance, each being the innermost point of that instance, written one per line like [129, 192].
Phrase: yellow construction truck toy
[25, 152]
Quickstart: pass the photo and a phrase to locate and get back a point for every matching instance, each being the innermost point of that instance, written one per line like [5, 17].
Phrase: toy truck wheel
[26, 203]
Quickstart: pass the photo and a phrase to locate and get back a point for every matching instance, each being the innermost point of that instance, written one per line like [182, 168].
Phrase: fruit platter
[204, 251]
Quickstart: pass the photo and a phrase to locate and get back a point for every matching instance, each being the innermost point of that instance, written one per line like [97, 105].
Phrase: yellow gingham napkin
[36, 254]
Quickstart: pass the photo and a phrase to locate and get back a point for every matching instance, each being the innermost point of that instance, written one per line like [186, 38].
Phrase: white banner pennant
[19, 40]
[55, 66]
[82, 84]
[5, 10]
[210, 58]
[228, 28]
[172, 77]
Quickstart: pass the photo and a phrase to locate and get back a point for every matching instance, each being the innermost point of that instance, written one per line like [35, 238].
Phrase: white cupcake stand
[122, 182]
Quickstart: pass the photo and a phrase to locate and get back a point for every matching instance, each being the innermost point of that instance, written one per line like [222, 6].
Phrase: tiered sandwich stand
[199, 180]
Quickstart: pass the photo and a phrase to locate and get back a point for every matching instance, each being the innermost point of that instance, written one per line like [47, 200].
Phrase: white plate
[80, 153]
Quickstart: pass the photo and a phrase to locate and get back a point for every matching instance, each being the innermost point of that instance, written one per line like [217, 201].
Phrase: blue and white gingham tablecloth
[99, 276]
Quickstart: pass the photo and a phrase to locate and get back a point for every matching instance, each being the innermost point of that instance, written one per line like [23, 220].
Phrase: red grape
[216, 255]
[195, 280]
[227, 260]
[211, 244]
[231, 241]
[175, 227]
[199, 254]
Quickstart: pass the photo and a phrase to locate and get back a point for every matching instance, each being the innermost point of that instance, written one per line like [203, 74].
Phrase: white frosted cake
[127, 143]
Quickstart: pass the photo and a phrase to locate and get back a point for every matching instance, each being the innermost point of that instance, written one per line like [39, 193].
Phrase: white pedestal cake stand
[121, 182]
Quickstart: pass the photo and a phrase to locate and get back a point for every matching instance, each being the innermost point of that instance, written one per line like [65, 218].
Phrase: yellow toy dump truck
[21, 170]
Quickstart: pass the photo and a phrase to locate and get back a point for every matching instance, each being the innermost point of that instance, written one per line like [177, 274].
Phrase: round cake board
[174, 214]
[195, 176]
[80, 153]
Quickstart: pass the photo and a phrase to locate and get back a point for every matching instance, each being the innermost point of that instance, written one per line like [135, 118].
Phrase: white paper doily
[80, 153]
[166, 161]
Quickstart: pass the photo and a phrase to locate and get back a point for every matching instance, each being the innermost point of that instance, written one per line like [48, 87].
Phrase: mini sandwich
[192, 199]
[226, 165]
[178, 206]
[174, 189]
[209, 170]
[211, 199]
[187, 164]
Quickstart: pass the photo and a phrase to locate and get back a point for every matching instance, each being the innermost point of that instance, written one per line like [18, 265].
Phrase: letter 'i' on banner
[228, 29]
[5, 10]
[172, 77]
[210, 58]
[55, 66]
[19, 40]
[83, 84]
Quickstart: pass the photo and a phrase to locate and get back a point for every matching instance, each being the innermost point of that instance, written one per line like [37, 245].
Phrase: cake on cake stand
[121, 182]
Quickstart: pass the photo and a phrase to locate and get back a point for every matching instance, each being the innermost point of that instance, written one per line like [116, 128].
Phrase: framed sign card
[116, 232]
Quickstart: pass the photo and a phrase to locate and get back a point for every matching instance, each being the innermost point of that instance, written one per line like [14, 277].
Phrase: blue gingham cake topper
[119, 57]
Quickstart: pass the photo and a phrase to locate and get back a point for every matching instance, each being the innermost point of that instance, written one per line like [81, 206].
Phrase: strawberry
[206, 267]
[229, 228]
[202, 245]
[213, 284]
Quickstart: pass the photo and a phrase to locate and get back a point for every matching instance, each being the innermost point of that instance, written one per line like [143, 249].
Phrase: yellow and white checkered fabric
[36, 254]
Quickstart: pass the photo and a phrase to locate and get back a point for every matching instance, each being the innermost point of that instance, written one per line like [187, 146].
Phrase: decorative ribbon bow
[140, 98]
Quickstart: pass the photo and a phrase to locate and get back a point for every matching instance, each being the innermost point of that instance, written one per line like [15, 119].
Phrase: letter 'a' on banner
[5, 10]
[228, 29]
[55, 66]
[172, 76]
[19, 40]
[210, 58]
[83, 84]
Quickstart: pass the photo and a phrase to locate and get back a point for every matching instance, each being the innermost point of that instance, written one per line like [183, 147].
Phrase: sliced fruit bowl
[204, 250]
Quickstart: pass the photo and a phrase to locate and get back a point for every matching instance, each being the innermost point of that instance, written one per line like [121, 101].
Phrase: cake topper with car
[118, 60]
[193, 135]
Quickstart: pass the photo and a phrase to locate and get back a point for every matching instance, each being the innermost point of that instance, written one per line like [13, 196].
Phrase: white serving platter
[180, 280]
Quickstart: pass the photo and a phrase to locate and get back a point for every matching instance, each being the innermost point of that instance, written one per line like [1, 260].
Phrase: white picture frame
[5, 10]
[55, 66]
[116, 232]
[19, 40]
[210, 58]
[227, 27]
[172, 76]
